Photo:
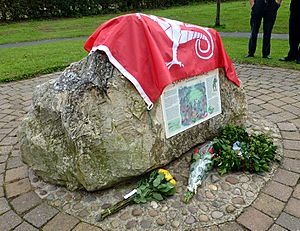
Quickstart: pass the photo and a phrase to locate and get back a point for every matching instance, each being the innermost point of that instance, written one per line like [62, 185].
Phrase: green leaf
[171, 192]
[256, 156]
[222, 171]
[195, 157]
[158, 180]
[265, 167]
[137, 200]
[165, 187]
[143, 187]
[153, 175]
[143, 200]
[138, 191]
[157, 196]
[188, 196]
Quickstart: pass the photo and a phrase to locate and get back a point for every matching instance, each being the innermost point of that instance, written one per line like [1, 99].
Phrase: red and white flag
[153, 52]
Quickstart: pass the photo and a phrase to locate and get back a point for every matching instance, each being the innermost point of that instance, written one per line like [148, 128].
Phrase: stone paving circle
[236, 201]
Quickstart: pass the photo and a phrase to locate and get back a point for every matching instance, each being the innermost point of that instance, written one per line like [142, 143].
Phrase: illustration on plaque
[193, 103]
[190, 102]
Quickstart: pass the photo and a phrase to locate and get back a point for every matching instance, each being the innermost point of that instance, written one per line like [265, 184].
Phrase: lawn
[234, 17]
[30, 61]
[25, 62]
[236, 48]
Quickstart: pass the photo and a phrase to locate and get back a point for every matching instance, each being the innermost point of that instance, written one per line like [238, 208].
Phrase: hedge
[15, 10]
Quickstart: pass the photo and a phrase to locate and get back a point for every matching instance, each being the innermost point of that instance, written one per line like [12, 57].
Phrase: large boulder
[90, 128]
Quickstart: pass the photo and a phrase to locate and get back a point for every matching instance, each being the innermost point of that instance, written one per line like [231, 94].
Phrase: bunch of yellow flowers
[158, 185]
[168, 176]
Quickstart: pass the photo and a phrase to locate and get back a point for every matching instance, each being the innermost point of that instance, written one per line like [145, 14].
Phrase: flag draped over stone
[153, 52]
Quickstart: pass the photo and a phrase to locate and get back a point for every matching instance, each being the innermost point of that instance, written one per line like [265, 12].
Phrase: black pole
[217, 23]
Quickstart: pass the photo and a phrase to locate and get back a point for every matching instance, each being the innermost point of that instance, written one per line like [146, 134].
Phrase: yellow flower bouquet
[156, 187]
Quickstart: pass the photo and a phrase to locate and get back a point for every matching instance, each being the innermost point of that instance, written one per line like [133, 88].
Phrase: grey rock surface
[90, 128]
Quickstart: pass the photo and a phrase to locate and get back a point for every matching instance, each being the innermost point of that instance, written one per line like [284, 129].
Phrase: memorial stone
[90, 128]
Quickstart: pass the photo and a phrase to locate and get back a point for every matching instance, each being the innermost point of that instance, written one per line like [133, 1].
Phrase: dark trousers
[294, 30]
[266, 11]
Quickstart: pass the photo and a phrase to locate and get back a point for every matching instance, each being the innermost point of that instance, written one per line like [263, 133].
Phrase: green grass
[26, 62]
[237, 48]
[48, 29]
[234, 17]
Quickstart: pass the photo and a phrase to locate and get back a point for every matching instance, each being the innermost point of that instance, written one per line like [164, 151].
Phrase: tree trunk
[217, 23]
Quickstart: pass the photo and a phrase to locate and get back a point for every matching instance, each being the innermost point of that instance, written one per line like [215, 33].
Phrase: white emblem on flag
[178, 36]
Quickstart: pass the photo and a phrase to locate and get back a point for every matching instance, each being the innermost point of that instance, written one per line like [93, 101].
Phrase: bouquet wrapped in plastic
[157, 186]
[201, 163]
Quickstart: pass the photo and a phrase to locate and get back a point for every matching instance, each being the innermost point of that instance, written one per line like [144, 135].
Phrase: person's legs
[298, 53]
[255, 22]
[268, 23]
[298, 44]
[296, 31]
[293, 36]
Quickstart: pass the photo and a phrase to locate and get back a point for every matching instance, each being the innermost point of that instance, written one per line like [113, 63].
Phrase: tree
[217, 23]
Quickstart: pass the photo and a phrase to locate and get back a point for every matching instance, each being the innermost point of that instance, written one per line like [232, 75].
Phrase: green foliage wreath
[252, 153]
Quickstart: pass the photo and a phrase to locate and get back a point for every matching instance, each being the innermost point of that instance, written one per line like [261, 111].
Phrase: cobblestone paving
[233, 202]
[220, 199]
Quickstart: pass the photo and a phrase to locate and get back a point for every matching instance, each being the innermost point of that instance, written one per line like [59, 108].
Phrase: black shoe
[267, 57]
[286, 59]
[249, 56]
[298, 61]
